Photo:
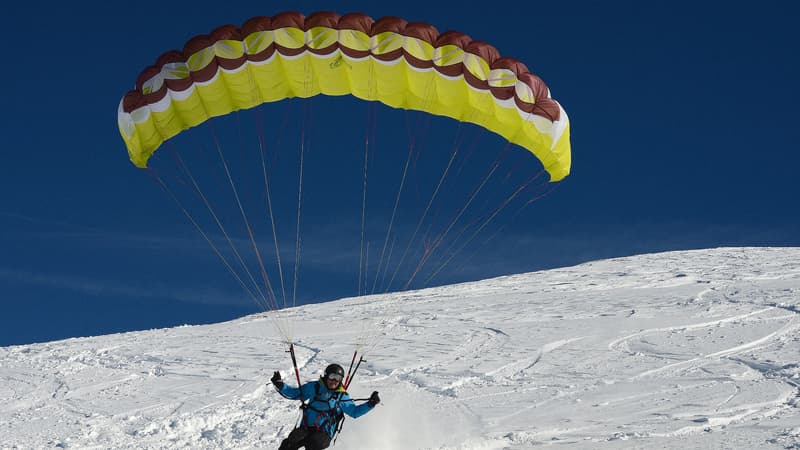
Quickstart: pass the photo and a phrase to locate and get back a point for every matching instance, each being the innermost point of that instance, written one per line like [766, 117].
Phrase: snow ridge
[693, 349]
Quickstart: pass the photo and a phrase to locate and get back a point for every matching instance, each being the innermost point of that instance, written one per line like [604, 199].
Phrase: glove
[276, 380]
[374, 399]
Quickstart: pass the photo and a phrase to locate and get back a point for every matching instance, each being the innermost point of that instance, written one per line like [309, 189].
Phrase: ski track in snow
[695, 349]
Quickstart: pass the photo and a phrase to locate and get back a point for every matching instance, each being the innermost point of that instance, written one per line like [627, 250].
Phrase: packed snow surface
[691, 349]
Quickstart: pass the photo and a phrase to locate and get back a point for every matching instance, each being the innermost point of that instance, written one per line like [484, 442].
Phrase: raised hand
[276, 380]
[374, 399]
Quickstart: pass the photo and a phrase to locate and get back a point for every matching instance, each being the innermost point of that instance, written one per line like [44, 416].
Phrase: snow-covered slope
[696, 349]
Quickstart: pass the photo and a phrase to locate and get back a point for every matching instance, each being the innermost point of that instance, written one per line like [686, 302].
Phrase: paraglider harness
[333, 416]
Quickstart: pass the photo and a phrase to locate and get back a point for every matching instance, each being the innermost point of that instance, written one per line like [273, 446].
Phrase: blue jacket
[324, 406]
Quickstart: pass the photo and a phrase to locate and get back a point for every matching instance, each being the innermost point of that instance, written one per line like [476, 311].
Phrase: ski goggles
[334, 376]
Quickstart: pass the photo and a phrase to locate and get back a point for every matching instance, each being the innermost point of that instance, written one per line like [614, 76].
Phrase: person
[324, 403]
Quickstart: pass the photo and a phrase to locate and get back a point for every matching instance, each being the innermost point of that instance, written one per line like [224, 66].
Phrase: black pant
[311, 438]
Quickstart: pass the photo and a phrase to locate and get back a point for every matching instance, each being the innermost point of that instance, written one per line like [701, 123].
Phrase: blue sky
[683, 133]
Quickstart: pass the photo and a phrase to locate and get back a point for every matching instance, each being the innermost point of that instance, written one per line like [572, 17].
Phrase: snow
[690, 349]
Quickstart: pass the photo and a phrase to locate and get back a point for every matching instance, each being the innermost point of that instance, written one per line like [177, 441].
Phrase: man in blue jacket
[324, 403]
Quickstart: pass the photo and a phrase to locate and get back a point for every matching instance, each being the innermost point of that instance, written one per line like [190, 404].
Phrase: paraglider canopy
[400, 64]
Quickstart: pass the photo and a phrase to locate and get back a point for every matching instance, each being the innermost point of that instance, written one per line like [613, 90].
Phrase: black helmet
[334, 369]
